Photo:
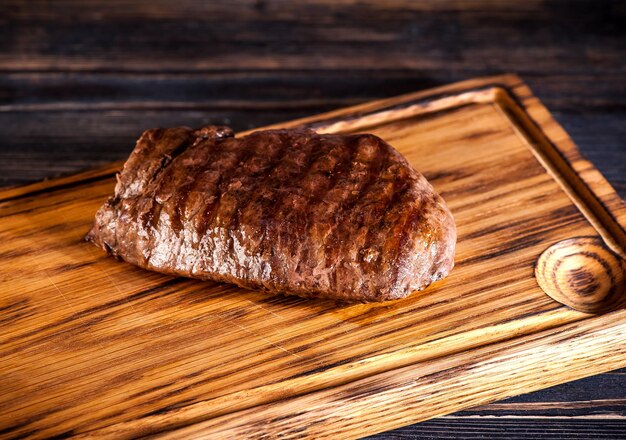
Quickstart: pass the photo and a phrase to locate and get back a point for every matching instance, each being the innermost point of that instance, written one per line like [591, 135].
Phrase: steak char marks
[291, 211]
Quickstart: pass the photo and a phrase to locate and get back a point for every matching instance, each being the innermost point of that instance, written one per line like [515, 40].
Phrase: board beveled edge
[509, 92]
[592, 194]
[430, 389]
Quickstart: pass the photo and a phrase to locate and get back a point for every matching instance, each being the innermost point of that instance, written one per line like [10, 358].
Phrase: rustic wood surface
[95, 347]
[77, 83]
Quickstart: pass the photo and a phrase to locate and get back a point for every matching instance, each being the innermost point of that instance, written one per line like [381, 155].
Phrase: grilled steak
[292, 211]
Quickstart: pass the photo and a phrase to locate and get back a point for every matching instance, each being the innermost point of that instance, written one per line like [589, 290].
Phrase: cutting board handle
[584, 274]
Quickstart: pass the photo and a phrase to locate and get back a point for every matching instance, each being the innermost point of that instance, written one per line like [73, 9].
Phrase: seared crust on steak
[291, 211]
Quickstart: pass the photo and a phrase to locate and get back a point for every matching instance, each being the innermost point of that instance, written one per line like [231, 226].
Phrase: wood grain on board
[92, 346]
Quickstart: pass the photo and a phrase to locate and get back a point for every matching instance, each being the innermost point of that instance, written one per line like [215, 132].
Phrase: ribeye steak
[291, 211]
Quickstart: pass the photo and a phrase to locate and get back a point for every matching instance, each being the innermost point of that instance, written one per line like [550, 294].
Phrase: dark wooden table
[80, 80]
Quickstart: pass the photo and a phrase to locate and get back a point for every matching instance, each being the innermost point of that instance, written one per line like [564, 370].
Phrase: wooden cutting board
[93, 347]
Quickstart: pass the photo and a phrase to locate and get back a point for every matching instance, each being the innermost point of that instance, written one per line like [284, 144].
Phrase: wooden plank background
[80, 80]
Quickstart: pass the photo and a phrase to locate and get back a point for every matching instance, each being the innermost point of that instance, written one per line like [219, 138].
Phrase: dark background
[79, 80]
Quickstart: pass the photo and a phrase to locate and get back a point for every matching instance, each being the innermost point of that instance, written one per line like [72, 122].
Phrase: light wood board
[94, 347]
